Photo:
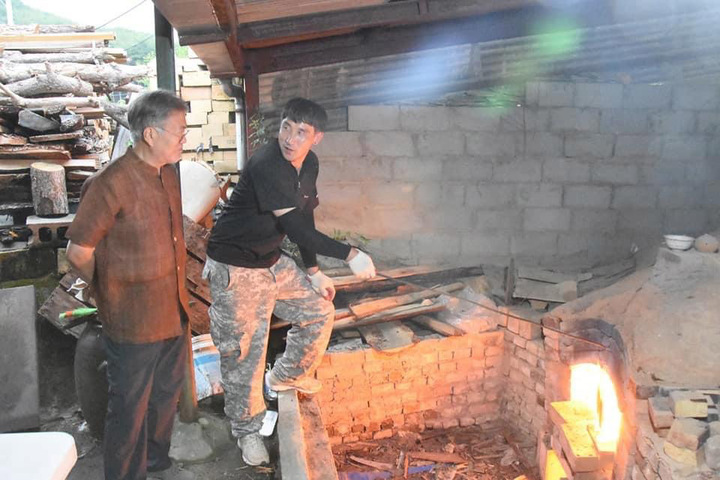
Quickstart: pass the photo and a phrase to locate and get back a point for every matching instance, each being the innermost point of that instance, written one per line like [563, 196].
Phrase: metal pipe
[510, 315]
[237, 92]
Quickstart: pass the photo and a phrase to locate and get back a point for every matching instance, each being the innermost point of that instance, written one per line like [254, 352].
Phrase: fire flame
[591, 384]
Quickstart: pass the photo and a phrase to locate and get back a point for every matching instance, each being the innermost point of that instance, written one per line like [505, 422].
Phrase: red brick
[396, 376]
[427, 358]
[450, 423]
[444, 402]
[462, 353]
[350, 439]
[427, 404]
[430, 369]
[409, 397]
[392, 401]
[378, 378]
[460, 388]
[434, 424]
[382, 389]
[459, 399]
[456, 377]
[334, 441]
[324, 372]
[411, 408]
[398, 420]
[446, 355]
[466, 421]
[493, 351]
[447, 367]
[476, 397]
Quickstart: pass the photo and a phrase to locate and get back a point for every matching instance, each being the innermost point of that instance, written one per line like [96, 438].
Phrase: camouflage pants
[243, 300]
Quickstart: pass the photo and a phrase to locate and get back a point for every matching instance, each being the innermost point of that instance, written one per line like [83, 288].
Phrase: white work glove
[362, 265]
[323, 285]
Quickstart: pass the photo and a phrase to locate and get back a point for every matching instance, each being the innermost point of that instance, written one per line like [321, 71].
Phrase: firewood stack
[53, 83]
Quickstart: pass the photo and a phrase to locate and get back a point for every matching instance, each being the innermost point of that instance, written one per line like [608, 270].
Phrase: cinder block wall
[436, 383]
[578, 171]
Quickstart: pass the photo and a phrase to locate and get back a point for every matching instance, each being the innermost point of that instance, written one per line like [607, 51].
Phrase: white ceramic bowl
[679, 242]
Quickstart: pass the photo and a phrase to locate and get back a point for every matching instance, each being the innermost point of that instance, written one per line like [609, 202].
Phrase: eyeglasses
[181, 136]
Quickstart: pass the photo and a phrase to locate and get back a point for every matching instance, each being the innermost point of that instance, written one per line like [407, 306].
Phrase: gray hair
[151, 109]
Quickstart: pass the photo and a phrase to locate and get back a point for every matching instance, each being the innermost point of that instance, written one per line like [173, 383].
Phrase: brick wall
[579, 171]
[436, 383]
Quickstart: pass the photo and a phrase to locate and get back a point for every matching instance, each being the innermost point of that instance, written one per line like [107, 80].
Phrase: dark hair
[302, 110]
[151, 109]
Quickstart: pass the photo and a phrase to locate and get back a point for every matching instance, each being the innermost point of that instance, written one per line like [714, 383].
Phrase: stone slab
[688, 404]
[19, 396]
[712, 452]
[688, 433]
[570, 412]
[661, 414]
[293, 463]
[579, 448]
[685, 456]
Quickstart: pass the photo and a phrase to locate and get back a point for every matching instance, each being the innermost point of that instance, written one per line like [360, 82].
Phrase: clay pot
[707, 244]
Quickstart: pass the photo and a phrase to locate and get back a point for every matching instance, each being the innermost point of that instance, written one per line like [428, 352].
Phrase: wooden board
[399, 313]
[56, 137]
[435, 273]
[549, 276]
[60, 301]
[33, 152]
[11, 41]
[19, 164]
[366, 308]
[196, 238]
[550, 292]
[10, 139]
[194, 281]
[199, 319]
[438, 326]
[388, 337]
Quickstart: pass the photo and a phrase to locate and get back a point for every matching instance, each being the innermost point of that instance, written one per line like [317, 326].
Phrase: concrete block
[615, 174]
[685, 456]
[688, 433]
[661, 414]
[679, 197]
[480, 243]
[339, 144]
[589, 145]
[685, 221]
[685, 404]
[389, 144]
[487, 195]
[503, 220]
[672, 122]
[433, 194]
[624, 121]
[448, 218]
[196, 118]
[712, 452]
[218, 93]
[373, 117]
[549, 94]
[565, 171]
[665, 173]
[541, 144]
[572, 244]
[593, 220]
[587, 196]
[517, 171]
[195, 93]
[598, 95]
[494, 144]
[434, 144]
[197, 106]
[218, 117]
[476, 119]
[575, 120]
[212, 130]
[708, 123]
[635, 197]
[649, 221]
[391, 193]
[684, 147]
[533, 244]
[223, 106]
[647, 96]
[20, 394]
[200, 78]
[416, 169]
[431, 244]
[422, 118]
[695, 97]
[539, 195]
[638, 146]
[525, 119]
[467, 169]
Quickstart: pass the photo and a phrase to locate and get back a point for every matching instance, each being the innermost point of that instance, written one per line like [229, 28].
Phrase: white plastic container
[200, 189]
[678, 242]
[206, 360]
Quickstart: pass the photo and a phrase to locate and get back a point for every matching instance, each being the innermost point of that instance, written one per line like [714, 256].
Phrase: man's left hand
[323, 285]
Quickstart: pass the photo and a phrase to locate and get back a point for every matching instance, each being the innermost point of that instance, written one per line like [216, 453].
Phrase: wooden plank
[260, 10]
[399, 313]
[55, 37]
[56, 137]
[367, 308]
[196, 238]
[388, 336]
[10, 139]
[438, 326]
[550, 292]
[549, 276]
[16, 164]
[199, 319]
[438, 457]
[60, 301]
[423, 272]
[34, 152]
[194, 281]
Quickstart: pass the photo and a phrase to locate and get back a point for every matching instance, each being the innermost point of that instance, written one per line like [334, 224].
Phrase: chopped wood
[50, 83]
[369, 463]
[104, 77]
[71, 121]
[199, 319]
[55, 137]
[92, 57]
[37, 28]
[549, 276]
[79, 175]
[399, 313]
[365, 309]
[550, 292]
[340, 314]
[438, 326]
[89, 111]
[9, 139]
[117, 112]
[416, 274]
[388, 337]
[438, 457]
[18, 164]
[44, 102]
[36, 122]
[49, 192]
[36, 152]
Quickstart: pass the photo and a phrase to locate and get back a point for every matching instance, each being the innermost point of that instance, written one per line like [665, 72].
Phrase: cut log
[388, 336]
[36, 152]
[104, 78]
[92, 57]
[438, 326]
[55, 137]
[70, 122]
[50, 83]
[367, 308]
[49, 192]
[13, 100]
[117, 112]
[80, 175]
[36, 122]
[16, 164]
[9, 139]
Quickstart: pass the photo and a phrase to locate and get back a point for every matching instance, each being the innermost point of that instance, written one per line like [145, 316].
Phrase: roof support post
[164, 52]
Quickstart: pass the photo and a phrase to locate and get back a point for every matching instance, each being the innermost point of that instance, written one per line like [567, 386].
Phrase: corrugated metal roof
[677, 48]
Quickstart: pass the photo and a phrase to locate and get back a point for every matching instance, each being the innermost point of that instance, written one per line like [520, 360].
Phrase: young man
[250, 278]
[127, 242]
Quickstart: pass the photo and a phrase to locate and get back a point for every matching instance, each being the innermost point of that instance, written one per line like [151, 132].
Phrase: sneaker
[269, 393]
[253, 449]
[306, 385]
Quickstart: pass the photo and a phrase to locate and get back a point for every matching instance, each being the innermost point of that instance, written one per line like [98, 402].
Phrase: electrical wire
[140, 42]
[121, 15]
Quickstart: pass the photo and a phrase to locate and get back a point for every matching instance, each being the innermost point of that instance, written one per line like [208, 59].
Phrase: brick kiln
[620, 406]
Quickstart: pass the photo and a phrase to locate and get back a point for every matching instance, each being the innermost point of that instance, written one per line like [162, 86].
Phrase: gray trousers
[243, 299]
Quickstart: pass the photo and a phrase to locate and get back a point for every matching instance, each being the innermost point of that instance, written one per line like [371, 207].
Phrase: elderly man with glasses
[127, 242]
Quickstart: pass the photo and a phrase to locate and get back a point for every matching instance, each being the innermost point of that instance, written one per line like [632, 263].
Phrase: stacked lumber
[210, 119]
[52, 83]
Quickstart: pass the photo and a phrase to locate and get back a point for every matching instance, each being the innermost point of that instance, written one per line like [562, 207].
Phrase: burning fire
[592, 385]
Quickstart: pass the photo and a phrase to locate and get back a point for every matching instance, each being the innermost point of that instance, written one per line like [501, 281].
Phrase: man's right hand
[361, 264]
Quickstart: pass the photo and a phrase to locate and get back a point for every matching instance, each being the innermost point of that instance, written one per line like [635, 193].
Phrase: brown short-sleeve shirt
[133, 218]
